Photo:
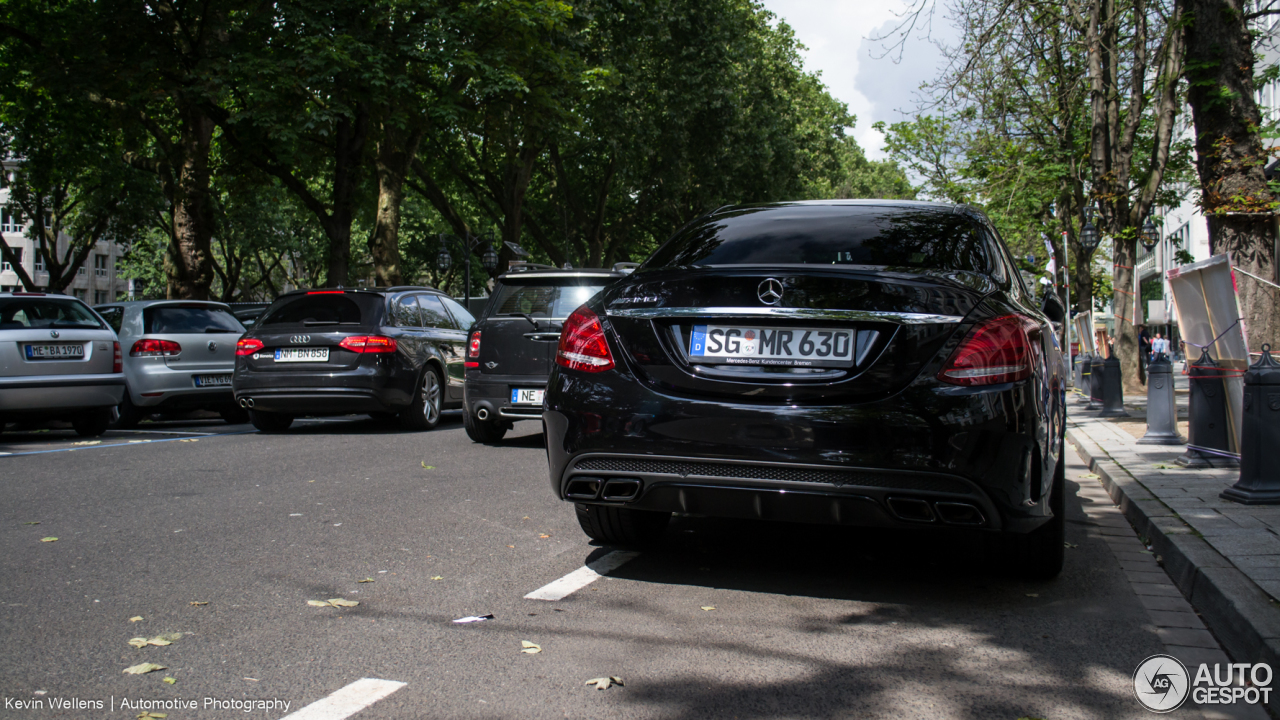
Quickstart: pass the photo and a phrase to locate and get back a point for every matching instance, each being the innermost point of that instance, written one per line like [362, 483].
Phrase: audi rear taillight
[117, 362]
[582, 343]
[150, 347]
[248, 346]
[999, 350]
[368, 344]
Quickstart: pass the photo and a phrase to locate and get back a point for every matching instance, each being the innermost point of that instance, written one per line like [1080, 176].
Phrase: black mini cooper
[387, 352]
[870, 363]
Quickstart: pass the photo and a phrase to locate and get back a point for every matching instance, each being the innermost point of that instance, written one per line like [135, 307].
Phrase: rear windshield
[320, 309]
[22, 312]
[177, 319]
[547, 298]
[830, 235]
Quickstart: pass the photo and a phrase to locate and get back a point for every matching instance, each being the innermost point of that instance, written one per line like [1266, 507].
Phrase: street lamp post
[489, 259]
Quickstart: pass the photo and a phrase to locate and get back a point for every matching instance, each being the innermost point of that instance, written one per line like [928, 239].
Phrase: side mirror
[1052, 307]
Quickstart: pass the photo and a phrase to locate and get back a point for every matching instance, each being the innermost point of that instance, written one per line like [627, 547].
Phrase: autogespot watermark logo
[1162, 683]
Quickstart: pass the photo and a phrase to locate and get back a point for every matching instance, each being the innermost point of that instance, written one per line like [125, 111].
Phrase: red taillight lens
[473, 346]
[248, 346]
[997, 351]
[368, 344]
[117, 362]
[150, 347]
[582, 343]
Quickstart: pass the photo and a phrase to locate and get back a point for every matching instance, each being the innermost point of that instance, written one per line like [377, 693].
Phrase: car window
[171, 319]
[404, 311]
[542, 298]
[113, 315]
[462, 317]
[572, 297]
[433, 313]
[318, 309]
[28, 312]
[892, 237]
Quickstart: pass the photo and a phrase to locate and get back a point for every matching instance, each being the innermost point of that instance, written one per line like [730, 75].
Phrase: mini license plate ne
[772, 346]
[527, 396]
[55, 352]
[302, 355]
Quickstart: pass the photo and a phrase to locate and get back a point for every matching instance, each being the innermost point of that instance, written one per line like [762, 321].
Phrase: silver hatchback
[57, 361]
[178, 356]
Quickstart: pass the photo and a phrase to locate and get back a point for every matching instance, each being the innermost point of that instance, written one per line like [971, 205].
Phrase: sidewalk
[1224, 557]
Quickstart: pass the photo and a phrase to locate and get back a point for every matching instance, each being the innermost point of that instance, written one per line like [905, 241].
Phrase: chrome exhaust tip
[244, 403]
[482, 414]
[248, 402]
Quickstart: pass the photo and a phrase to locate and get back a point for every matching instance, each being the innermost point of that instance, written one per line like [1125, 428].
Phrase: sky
[837, 34]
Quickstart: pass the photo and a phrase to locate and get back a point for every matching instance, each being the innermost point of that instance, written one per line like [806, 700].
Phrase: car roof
[860, 203]
[372, 290]
[561, 273]
[150, 303]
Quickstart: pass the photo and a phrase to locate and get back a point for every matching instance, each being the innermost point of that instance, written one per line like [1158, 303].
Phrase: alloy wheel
[431, 397]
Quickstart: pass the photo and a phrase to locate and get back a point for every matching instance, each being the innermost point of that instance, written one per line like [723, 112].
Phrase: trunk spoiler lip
[902, 318]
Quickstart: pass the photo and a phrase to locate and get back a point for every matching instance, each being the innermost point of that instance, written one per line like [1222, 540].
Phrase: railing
[1147, 266]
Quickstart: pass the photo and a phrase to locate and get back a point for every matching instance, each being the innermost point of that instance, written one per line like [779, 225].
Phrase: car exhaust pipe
[621, 489]
[482, 414]
[248, 402]
[910, 509]
[583, 488]
[959, 513]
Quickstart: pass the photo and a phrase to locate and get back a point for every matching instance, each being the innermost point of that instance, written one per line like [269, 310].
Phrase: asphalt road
[807, 621]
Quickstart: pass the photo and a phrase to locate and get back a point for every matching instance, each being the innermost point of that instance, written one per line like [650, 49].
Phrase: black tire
[483, 431]
[234, 414]
[424, 412]
[92, 422]
[269, 422]
[621, 526]
[1039, 555]
[126, 415]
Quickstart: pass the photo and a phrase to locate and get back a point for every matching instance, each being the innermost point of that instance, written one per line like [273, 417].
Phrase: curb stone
[1237, 611]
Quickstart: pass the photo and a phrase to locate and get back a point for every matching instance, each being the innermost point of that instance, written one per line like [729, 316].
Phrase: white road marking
[582, 577]
[348, 701]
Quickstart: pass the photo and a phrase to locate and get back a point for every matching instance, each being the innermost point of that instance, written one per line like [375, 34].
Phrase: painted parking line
[123, 444]
[583, 576]
[165, 432]
[348, 701]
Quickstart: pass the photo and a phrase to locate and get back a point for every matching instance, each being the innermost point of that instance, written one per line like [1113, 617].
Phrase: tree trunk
[1230, 156]
[191, 273]
[396, 149]
[348, 157]
[1122, 309]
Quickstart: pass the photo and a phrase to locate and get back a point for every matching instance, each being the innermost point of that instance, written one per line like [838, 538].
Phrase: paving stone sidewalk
[1224, 557]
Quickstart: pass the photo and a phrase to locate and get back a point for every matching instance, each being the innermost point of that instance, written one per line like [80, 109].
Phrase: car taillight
[473, 346]
[996, 351]
[368, 344]
[150, 347]
[582, 343]
[117, 362]
[248, 346]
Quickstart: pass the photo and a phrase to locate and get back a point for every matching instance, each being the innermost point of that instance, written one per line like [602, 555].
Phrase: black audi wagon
[869, 363]
[388, 352]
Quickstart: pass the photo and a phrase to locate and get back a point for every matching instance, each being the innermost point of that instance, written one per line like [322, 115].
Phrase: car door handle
[543, 336]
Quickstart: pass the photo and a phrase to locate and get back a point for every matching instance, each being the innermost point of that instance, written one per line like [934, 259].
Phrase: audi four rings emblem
[770, 291]
[300, 339]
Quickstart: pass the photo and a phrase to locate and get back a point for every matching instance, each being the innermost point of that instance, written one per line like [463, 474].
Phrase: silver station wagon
[58, 360]
[178, 356]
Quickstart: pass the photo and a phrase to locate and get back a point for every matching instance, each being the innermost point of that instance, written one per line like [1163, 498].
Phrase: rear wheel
[621, 526]
[1038, 555]
[424, 412]
[234, 414]
[126, 414]
[92, 422]
[269, 422]
[482, 431]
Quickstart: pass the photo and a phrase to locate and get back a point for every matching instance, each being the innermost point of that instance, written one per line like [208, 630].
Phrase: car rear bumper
[493, 393]
[847, 464]
[362, 389]
[152, 383]
[41, 393]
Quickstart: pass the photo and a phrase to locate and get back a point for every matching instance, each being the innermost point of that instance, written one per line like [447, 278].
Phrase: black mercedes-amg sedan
[870, 363]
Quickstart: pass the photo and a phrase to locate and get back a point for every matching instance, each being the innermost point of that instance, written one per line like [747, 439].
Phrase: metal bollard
[1162, 408]
[1208, 443]
[1259, 482]
[1082, 376]
[1095, 382]
[1112, 389]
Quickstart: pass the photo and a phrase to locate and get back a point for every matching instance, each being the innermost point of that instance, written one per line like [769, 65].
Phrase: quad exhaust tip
[246, 402]
[959, 513]
[612, 490]
[922, 511]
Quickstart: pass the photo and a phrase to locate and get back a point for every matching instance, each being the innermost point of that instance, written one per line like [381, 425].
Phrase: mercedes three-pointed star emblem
[770, 291]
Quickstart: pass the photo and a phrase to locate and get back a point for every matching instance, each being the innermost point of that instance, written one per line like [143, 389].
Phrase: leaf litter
[604, 683]
[136, 618]
[143, 669]
[529, 648]
[49, 539]
[333, 602]
[198, 602]
[473, 619]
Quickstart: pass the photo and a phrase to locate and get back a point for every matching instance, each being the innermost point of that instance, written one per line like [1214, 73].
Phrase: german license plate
[55, 352]
[213, 380]
[302, 355]
[527, 396]
[774, 346]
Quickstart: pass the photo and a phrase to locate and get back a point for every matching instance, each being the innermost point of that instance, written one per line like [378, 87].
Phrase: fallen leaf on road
[1162, 466]
[138, 642]
[544, 537]
[143, 669]
[158, 641]
[511, 546]
[88, 442]
[189, 440]
[438, 577]
[708, 607]
[368, 579]
[318, 603]
[603, 683]
[1089, 476]
[1070, 545]
[147, 715]
[198, 602]
[1033, 594]
[343, 602]
[135, 618]
[473, 619]
[428, 467]
[168, 681]
[49, 539]
[530, 648]
[36, 522]
[131, 442]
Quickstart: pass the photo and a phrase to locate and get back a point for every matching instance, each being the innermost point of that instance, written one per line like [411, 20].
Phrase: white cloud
[874, 87]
